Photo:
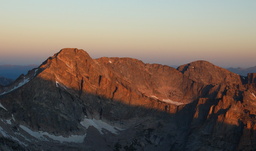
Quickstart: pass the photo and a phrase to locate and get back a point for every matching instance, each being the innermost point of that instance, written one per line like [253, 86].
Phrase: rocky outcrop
[74, 102]
[251, 77]
[222, 119]
[207, 73]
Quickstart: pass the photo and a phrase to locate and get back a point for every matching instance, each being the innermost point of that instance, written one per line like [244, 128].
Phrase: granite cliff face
[74, 102]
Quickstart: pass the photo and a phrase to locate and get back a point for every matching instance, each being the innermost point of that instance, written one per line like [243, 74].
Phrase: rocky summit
[73, 102]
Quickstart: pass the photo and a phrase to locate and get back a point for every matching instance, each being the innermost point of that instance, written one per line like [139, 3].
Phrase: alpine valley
[73, 102]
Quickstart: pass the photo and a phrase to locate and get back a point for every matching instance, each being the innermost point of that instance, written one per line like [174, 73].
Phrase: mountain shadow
[60, 112]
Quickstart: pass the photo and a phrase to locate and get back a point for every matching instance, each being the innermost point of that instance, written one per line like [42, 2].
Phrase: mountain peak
[68, 56]
[71, 52]
[208, 73]
[198, 63]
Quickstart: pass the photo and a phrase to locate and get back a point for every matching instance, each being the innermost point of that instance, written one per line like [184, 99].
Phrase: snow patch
[23, 137]
[253, 95]
[25, 80]
[64, 62]
[35, 72]
[167, 100]
[45, 136]
[37, 135]
[9, 122]
[100, 125]
[13, 118]
[58, 85]
[154, 97]
[172, 102]
[3, 133]
[1, 106]
[110, 61]
[67, 65]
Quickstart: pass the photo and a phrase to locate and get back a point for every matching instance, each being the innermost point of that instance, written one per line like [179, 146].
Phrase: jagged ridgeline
[74, 102]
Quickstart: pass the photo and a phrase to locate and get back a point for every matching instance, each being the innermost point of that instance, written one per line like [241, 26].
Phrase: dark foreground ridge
[74, 102]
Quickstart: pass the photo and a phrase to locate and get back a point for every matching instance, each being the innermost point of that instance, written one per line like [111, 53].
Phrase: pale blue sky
[171, 32]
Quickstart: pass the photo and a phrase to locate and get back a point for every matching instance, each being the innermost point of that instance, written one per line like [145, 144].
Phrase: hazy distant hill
[14, 71]
[4, 81]
[243, 71]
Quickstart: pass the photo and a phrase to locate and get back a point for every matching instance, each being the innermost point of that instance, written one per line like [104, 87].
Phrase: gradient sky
[171, 32]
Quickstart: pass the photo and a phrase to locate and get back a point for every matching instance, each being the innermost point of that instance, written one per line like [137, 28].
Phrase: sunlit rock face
[207, 73]
[74, 102]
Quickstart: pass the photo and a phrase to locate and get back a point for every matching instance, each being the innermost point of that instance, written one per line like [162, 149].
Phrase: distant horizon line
[10, 65]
